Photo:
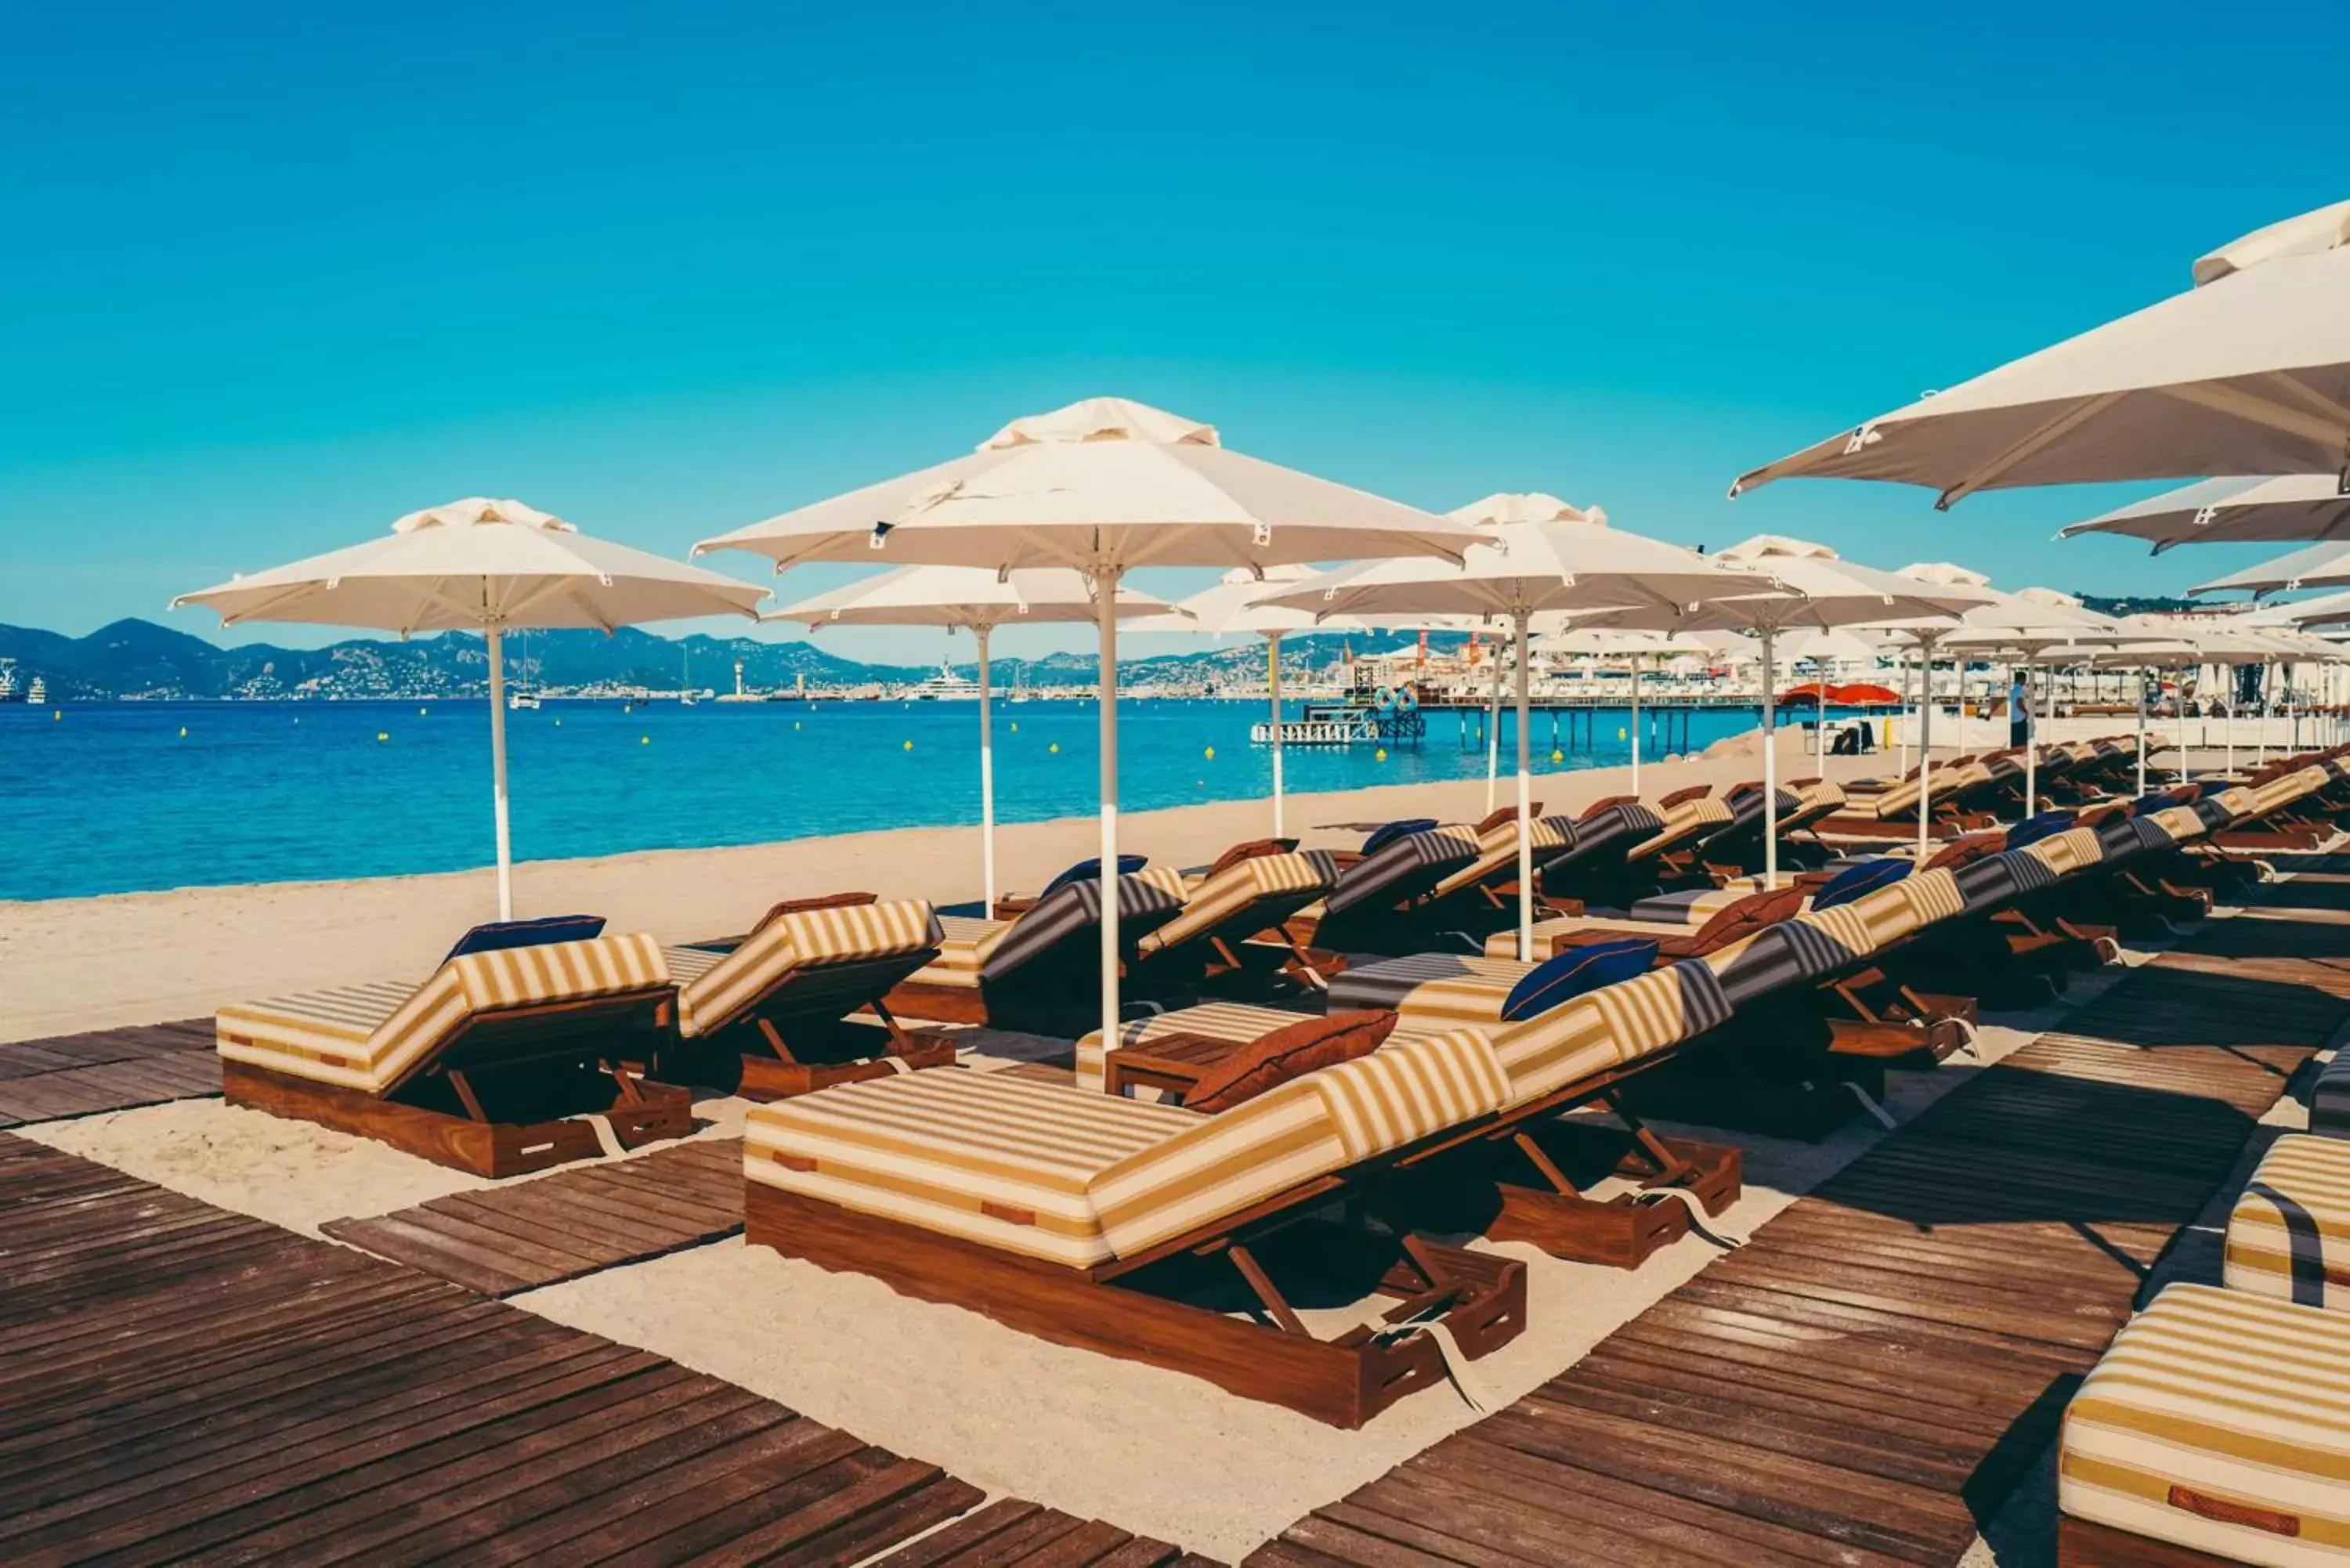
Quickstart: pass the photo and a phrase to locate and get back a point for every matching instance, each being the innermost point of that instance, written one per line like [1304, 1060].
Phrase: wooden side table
[1172, 1062]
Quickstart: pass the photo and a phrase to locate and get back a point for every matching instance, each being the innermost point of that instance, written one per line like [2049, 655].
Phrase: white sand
[140, 957]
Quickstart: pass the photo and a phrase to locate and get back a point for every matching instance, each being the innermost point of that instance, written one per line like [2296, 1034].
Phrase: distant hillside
[2149, 605]
[138, 658]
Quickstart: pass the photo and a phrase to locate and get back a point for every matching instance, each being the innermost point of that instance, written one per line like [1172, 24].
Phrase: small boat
[38, 693]
[8, 690]
[522, 700]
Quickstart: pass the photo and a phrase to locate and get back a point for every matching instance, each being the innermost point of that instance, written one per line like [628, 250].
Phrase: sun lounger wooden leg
[901, 1043]
[1261, 1283]
[465, 1095]
[1543, 1163]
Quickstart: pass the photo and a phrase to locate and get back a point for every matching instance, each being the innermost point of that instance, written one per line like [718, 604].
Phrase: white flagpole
[496, 639]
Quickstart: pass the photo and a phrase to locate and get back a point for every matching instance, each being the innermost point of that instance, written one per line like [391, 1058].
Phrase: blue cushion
[1575, 972]
[1854, 881]
[1382, 838]
[500, 935]
[1091, 870]
[2148, 804]
[2033, 829]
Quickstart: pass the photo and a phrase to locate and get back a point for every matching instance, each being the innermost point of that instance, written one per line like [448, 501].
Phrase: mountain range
[138, 658]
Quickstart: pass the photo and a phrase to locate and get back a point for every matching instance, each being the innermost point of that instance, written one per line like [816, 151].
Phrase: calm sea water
[127, 796]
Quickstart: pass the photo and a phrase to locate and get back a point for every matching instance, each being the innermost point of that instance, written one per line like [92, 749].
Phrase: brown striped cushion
[1498, 850]
[2065, 853]
[1245, 897]
[795, 943]
[2289, 1235]
[373, 1038]
[1688, 820]
[2219, 1421]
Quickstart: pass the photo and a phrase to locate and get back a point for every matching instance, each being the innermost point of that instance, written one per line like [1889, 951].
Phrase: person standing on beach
[2019, 713]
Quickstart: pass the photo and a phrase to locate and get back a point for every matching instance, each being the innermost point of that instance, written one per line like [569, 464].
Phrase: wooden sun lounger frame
[642, 1110]
[1479, 1298]
[774, 1070]
[2081, 1543]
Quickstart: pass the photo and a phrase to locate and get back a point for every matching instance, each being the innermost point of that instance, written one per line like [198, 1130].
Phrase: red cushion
[1290, 1051]
[1254, 850]
[801, 907]
[1749, 914]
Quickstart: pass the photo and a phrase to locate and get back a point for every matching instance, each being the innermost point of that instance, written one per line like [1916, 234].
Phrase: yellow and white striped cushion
[986, 1156]
[2181, 822]
[2221, 1422]
[2067, 852]
[1931, 895]
[1260, 879]
[964, 943]
[1682, 823]
[1693, 908]
[2289, 1235]
[1498, 851]
[373, 1037]
[720, 993]
[1563, 1045]
[1869, 922]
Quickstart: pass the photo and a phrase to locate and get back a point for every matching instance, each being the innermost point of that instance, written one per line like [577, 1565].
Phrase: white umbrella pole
[1525, 801]
[497, 641]
[1902, 707]
[1925, 747]
[1494, 737]
[2261, 740]
[1769, 779]
[2227, 724]
[2031, 743]
[986, 782]
[2182, 725]
[1821, 682]
[2142, 675]
[1273, 682]
[1636, 723]
[1106, 612]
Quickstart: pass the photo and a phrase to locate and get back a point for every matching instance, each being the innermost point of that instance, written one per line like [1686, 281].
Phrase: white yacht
[8, 691]
[945, 686]
[38, 693]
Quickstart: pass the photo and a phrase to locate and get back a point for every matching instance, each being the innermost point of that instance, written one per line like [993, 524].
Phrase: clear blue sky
[275, 274]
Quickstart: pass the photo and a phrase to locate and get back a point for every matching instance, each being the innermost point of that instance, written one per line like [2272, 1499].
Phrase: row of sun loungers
[1172, 1203]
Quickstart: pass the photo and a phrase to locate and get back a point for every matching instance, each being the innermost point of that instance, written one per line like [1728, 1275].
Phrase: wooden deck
[177, 1381]
[524, 1234]
[1867, 1379]
[107, 1070]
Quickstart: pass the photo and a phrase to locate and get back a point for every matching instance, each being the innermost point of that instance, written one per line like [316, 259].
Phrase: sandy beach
[137, 957]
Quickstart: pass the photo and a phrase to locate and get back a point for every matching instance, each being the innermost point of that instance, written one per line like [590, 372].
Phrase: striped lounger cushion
[1390, 982]
[2074, 849]
[2329, 1099]
[2289, 1235]
[2221, 1422]
[1074, 1177]
[1689, 819]
[1498, 850]
[1374, 879]
[1236, 1021]
[1275, 885]
[1604, 1029]
[972, 950]
[1694, 906]
[372, 1038]
[719, 993]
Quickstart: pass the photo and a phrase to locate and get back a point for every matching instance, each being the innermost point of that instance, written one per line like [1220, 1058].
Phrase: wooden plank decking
[178, 1381]
[525, 1234]
[107, 1070]
[1867, 1380]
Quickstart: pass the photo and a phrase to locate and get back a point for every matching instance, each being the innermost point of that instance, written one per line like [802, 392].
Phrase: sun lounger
[487, 1065]
[1508, 1175]
[1040, 969]
[1956, 806]
[2289, 1233]
[2215, 1430]
[1146, 1231]
[1382, 897]
[1247, 898]
[1625, 850]
[1485, 890]
[775, 1006]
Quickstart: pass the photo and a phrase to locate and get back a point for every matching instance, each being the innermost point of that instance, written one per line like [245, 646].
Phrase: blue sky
[278, 272]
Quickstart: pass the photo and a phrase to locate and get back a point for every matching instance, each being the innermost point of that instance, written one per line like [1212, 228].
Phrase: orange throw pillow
[1750, 913]
[1290, 1051]
[802, 905]
[1254, 850]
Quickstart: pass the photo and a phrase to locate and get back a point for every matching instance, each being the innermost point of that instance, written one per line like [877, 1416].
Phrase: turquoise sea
[120, 797]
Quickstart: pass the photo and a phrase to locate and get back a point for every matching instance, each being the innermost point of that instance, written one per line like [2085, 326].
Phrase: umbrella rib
[2063, 424]
[292, 596]
[2259, 410]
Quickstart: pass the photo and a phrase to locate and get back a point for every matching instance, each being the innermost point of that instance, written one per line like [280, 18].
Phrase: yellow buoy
[420, 713]
[1054, 748]
[184, 731]
[1381, 755]
[1619, 732]
[644, 740]
[1212, 753]
[558, 724]
[380, 734]
[909, 746]
[1016, 726]
[796, 723]
[1557, 756]
[60, 714]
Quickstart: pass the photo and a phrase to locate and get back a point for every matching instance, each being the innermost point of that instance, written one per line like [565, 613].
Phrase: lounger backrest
[792, 950]
[1405, 867]
[2074, 850]
[465, 988]
[1999, 879]
[1932, 895]
[2119, 836]
[1264, 889]
[1311, 1126]
[1146, 900]
[2178, 824]
[1683, 822]
[1546, 837]
[1608, 1027]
